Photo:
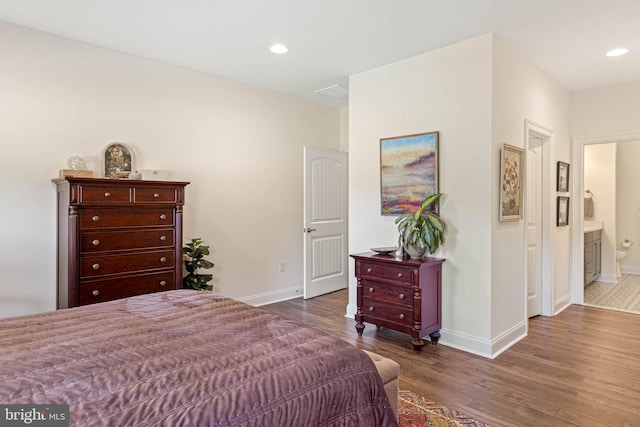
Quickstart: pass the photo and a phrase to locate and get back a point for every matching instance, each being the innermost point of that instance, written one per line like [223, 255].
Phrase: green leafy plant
[422, 229]
[195, 252]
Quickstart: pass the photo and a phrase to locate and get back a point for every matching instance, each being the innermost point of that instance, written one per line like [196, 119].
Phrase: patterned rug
[419, 411]
[622, 296]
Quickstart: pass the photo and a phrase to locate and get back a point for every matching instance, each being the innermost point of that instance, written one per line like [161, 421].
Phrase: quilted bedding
[187, 358]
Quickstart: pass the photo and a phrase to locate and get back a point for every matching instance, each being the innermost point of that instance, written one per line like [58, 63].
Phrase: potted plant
[421, 230]
[195, 252]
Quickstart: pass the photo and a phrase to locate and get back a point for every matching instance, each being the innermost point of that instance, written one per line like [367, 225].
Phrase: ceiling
[329, 40]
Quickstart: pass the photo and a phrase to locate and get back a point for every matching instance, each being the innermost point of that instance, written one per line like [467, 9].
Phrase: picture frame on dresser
[117, 160]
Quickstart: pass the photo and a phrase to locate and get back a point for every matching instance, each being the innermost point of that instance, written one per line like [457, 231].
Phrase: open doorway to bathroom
[611, 225]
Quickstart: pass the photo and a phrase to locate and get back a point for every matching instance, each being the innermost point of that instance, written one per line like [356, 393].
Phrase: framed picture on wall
[511, 183]
[562, 183]
[408, 172]
[563, 211]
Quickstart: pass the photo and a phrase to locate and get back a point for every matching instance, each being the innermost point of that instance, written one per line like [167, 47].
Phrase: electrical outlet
[281, 266]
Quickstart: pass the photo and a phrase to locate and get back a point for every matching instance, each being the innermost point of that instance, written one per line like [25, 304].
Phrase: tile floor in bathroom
[623, 296]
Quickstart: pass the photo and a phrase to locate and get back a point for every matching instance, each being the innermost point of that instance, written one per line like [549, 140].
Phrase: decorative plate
[385, 250]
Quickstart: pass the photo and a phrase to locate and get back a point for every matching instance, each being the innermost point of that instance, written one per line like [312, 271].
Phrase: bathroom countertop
[590, 226]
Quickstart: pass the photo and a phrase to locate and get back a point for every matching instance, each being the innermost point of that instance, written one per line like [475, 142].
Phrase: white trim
[561, 304]
[630, 269]
[273, 296]
[548, 191]
[577, 206]
[468, 343]
[509, 338]
[351, 311]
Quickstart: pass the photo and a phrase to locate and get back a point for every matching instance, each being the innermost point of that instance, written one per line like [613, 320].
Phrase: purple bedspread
[187, 358]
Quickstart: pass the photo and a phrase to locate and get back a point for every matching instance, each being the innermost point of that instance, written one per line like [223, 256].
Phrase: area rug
[418, 411]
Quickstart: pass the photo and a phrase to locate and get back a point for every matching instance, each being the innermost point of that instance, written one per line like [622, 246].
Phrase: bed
[187, 358]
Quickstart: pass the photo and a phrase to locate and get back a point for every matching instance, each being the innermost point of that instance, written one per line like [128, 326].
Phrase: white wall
[239, 146]
[522, 92]
[628, 204]
[448, 90]
[600, 179]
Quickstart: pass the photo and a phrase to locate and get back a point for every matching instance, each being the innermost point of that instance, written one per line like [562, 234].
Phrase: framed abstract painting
[408, 171]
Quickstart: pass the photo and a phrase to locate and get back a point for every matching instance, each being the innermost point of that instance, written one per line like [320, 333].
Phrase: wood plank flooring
[579, 368]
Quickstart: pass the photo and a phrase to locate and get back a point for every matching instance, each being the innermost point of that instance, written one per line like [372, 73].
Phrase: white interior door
[534, 226]
[325, 221]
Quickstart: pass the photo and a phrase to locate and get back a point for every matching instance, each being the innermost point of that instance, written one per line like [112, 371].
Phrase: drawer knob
[370, 289]
[156, 195]
[399, 274]
[371, 308]
[163, 259]
[401, 296]
[95, 218]
[95, 242]
[107, 194]
[163, 283]
[163, 238]
[368, 270]
[95, 292]
[163, 216]
[401, 316]
[96, 266]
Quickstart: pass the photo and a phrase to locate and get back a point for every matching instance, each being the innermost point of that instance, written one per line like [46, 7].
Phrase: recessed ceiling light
[617, 52]
[279, 48]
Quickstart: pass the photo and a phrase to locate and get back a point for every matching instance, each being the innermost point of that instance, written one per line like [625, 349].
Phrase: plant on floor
[421, 230]
[195, 252]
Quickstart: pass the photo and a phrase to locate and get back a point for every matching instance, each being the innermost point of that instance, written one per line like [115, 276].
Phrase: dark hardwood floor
[579, 368]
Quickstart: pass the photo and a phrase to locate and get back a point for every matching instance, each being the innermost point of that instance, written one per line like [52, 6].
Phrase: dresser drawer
[393, 293]
[384, 271]
[102, 241]
[109, 289]
[101, 194]
[95, 218]
[154, 195]
[94, 266]
[387, 311]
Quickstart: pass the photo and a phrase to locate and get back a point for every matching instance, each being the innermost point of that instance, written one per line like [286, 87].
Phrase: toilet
[620, 255]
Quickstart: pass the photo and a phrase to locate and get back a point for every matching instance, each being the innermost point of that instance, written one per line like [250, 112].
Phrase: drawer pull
[156, 195]
[96, 266]
[163, 216]
[95, 292]
[370, 289]
[401, 316]
[107, 194]
[368, 270]
[401, 296]
[95, 218]
[163, 259]
[95, 242]
[163, 283]
[163, 238]
[371, 308]
[399, 274]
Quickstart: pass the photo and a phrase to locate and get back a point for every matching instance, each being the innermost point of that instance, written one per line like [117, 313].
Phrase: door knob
[309, 230]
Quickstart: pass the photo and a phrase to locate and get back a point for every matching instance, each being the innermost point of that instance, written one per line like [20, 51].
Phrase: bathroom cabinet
[592, 256]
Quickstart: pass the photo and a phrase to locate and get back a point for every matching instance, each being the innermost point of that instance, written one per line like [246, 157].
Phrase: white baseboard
[630, 269]
[351, 311]
[273, 296]
[608, 278]
[561, 304]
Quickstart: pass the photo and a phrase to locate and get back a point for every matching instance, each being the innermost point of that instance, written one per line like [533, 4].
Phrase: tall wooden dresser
[402, 294]
[117, 238]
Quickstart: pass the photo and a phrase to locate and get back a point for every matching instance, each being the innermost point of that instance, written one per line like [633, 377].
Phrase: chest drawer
[392, 293]
[101, 194]
[110, 289]
[95, 266]
[102, 241]
[384, 271]
[388, 311]
[154, 195]
[95, 218]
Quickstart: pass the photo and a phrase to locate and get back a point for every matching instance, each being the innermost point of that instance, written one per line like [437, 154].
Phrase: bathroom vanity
[592, 250]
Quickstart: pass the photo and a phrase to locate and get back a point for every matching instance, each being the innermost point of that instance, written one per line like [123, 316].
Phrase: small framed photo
[563, 211]
[117, 160]
[511, 183]
[562, 183]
